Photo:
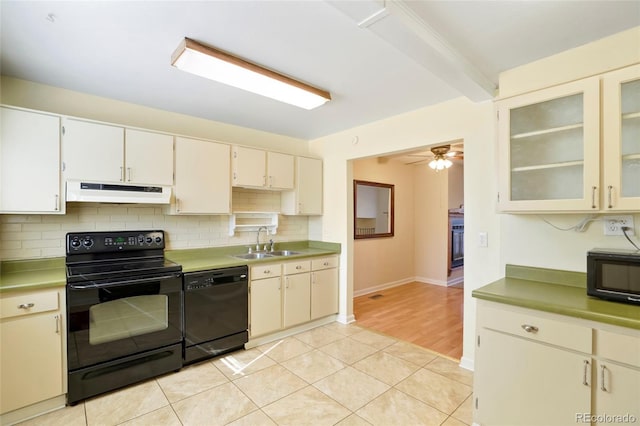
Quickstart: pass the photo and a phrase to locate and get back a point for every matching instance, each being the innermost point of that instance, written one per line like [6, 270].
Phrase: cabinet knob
[26, 306]
[530, 328]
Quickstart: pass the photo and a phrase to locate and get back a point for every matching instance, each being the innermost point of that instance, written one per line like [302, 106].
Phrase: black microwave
[614, 274]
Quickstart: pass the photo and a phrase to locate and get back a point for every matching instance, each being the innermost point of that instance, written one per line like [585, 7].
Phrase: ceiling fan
[440, 156]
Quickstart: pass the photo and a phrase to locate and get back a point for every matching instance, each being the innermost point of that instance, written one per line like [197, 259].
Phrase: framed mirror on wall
[372, 209]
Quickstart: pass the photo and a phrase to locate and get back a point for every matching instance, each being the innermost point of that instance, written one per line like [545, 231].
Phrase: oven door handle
[122, 282]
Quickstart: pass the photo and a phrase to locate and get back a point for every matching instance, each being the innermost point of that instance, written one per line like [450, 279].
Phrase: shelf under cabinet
[548, 166]
[547, 131]
[252, 221]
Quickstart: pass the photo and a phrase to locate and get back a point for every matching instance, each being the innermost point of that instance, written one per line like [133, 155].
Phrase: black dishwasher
[216, 312]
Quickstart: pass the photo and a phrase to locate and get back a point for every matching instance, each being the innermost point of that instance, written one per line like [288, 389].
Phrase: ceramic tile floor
[332, 375]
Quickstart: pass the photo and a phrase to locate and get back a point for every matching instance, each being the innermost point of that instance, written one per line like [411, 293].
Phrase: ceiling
[377, 58]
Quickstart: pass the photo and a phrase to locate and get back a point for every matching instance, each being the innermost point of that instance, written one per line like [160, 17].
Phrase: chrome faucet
[258, 236]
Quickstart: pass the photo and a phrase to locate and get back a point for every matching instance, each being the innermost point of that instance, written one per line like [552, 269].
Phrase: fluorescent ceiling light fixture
[214, 64]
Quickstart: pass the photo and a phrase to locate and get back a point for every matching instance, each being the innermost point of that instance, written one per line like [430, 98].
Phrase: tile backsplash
[40, 236]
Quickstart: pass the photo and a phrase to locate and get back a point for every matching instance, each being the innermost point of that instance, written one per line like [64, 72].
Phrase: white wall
[449, 121]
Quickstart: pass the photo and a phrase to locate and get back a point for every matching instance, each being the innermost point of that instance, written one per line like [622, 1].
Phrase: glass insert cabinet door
[549, 149]
[621, 141]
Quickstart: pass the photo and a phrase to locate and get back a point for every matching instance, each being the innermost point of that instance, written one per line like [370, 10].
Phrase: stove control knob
[88, 242]
[158, 240]
[149, 240]
[75, 243]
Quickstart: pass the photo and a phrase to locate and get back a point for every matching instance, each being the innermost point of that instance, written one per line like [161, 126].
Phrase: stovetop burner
[118, 254]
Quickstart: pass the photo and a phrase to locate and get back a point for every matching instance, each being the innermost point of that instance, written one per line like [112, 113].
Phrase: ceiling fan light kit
[220, 66]
[439, 161]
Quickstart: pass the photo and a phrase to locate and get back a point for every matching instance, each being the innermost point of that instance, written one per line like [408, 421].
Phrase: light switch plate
[483, 239]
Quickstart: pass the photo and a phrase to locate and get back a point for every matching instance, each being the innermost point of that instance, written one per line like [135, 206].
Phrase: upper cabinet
[203, 177]
[30, 162]
[552, 157]
[548, 149]
[255, 168]
[105, 153]
[621, 142]
[306, 198]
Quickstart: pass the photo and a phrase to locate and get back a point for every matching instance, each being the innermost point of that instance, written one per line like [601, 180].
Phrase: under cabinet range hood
[115, 193]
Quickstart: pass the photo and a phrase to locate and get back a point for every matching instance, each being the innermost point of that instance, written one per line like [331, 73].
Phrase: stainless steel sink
[284, 253]
[250, 256]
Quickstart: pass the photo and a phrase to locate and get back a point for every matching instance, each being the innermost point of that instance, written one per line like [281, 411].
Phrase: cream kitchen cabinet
[551, 153]
[616, 385]
[297, 293]
[539, 368]
[108, 153]
[621, 141]
[255, 168]
[30, 162]
[324, 286]
[265, 301]
[306, 198]
[32, 364]
[549, 145]
[203, 177]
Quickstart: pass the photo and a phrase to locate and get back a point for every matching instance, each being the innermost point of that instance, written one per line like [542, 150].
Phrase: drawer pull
[26, 306]
[298, 267]
[603, 387]
[530, 328]
[266, 271]
[584, 377]
[326, 263]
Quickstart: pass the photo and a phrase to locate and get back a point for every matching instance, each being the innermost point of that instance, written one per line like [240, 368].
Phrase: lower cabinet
[31, 336]
[297, 293]
[536, 368]
[265, 289]
[287, 294]
[324, 287]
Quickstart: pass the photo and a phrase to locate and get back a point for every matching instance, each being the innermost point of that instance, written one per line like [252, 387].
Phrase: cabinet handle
[266, 271]
[603, 387]
[286, 282]
[298, 267]
[57, 205]
[129, 174]
[264, 180]
[121, 173]
[26, 305]
[326, 263]
[57, 317]
[609, 191]
[584, 377]
[593, 196]
[530, 328]
[178, 205]
[299, 207]
[313, 278]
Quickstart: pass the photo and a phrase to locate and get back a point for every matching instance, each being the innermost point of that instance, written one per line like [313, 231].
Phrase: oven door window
[128, 317]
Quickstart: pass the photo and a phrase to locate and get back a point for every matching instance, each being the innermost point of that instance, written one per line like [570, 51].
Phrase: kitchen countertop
[24, 275]
[559, 292]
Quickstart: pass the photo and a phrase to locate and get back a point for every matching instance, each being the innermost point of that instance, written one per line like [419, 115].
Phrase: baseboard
[431, 281]
[455, 281]
[34, 410]
[467, 363]
[346, 319]
[381, 287]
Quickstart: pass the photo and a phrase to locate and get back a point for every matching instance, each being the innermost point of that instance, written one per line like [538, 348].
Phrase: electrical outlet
[613, 225]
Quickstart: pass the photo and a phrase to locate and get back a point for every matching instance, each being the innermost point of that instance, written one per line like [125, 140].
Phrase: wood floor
[424, 314]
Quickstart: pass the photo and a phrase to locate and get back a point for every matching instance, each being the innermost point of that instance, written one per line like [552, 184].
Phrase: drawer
[265, 271]
[536, 328]
[29, 303]
[618, 347]
[324, 263]
[297, 267]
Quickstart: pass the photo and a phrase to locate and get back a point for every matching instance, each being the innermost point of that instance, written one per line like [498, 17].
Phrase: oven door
[112, 319]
